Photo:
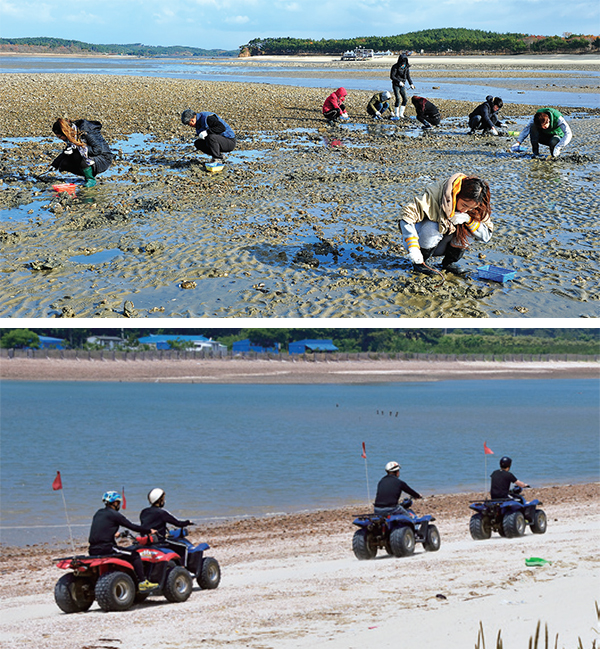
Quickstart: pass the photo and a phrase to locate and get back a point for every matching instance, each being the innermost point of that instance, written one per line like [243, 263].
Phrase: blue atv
[397, 533]
[206, 569]
[508, 516]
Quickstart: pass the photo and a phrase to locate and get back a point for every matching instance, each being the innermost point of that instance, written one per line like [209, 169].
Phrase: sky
[228, 24]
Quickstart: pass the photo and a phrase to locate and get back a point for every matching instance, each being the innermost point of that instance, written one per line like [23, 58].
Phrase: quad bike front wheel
[480, 527]
[513, 524]
[209, 575]
[73, 594]
[432, 539]
[364, 545]
[540, 522]
[179, 584]
[115, 591]
[402, 541]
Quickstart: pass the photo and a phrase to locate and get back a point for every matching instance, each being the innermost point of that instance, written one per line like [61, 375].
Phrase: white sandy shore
[301, 587]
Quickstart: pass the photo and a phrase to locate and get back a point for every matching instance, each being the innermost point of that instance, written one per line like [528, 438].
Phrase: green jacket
[554, 116]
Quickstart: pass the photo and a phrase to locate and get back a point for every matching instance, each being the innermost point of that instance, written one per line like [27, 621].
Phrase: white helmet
[390, 467]
[155, 495]
[387, 95]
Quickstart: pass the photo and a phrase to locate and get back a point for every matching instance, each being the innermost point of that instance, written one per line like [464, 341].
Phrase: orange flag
[57, 484]
[364, 452]
[487, 450]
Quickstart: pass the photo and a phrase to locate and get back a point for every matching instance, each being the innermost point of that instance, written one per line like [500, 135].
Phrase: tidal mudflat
[301, 222]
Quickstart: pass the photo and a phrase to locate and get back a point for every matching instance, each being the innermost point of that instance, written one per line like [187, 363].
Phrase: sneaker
[145, 585]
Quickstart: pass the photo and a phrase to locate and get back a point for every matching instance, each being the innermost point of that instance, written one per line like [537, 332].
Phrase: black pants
[400, 90]
[75, 164]
[476, 123]
[334, 113]
[539, 136]
[215, 145]
[123, 553]
[434, 120]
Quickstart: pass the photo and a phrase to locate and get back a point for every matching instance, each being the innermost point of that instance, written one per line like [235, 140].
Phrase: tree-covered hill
[62, 46]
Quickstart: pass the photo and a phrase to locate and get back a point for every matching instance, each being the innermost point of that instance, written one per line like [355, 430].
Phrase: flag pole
[364, 455]
[68, 522]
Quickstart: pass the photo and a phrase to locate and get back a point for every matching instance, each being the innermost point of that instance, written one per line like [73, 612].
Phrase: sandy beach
[285, 371]
[302, 221]
[293, 582]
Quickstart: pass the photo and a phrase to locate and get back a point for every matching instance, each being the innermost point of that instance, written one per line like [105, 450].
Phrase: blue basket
[495, 273]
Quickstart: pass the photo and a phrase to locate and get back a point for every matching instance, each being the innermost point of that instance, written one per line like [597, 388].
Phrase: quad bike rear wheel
[540, 522]
[513, 524]
[115, 591]
[179, 584]
[480, 527]
[73, 594]
[432, 539]
[209, 575]
[402, 541]
[364, 545]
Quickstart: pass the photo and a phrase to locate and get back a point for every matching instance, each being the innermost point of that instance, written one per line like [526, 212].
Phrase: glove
[378, 114]
[460, 217]
[202, 134]
[516, 147]
[68, 151]
[556, 152]
[402, 84]
[415, 255]
[412, 86]
[494, 131]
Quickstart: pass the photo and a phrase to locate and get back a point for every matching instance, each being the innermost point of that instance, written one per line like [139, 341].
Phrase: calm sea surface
[215, 70]
[236, 450]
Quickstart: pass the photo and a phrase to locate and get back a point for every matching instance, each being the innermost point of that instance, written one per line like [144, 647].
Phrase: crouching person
[444, 219]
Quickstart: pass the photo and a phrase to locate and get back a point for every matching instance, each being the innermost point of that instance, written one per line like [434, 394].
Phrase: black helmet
[505, 462]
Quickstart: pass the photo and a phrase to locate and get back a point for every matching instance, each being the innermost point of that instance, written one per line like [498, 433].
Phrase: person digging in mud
[105, 530]
[215, 136]
[334, 107]
[441, 222]
[87, 153]
[390, 489]
[400, 76]
[485, 116]
[547, 127]
[378, 104]
[427, 113]
[502, 478]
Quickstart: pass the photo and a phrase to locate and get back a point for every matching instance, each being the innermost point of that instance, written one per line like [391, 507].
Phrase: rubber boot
[401, 111]
[421, 268]
[396, 116]
[452, 255]
[90, 181]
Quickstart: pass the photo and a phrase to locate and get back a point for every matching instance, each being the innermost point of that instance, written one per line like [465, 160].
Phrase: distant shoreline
[258, 371]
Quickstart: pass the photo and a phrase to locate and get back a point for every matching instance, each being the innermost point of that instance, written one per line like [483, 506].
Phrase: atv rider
[104, 532]
[502, 478]
[390, 489]
[157, 517]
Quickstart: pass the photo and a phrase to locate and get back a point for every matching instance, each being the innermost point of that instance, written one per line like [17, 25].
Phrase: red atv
[112, 582]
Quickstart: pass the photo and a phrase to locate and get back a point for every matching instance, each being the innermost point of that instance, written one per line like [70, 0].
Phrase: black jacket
[98, 149]
[400, 71]
[105, 525]
[489, 118]
[390, 489]
[501, 481]
[157, 518]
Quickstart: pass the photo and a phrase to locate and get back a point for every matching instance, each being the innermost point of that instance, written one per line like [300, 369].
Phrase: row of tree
[440, 341]
[430, 41]
[60, 45]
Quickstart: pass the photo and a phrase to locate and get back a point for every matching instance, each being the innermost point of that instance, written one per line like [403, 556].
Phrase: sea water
[225, 451]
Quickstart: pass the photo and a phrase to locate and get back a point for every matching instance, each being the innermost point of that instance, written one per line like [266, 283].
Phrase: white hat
[390, 467]
[155, 495]
[387, 95]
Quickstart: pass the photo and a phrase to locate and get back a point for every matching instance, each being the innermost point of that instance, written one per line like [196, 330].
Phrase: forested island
[427, 41]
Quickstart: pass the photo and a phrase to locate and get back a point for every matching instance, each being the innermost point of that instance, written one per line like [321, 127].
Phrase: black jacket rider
[390, 489]
[157, 518]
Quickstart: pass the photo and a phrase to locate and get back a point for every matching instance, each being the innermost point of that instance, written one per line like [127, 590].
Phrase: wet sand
[292, 581]
[285, 371]
[302, 221]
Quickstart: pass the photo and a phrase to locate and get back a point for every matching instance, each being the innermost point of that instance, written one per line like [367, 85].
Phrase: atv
[206, 569]
[507, 516]
[397, 533]
[112, 582]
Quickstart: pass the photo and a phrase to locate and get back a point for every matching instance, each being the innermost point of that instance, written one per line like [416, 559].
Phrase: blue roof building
[304, 346]
[241, 346]
[47, 342]
[198, 342]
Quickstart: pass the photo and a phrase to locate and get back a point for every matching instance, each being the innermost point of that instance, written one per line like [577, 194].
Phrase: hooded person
[400, 76]
[442, 221]
[427, 113]
[547, 127]
[334, 107]
[485, 116]
[87, 153]
[378, 104]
